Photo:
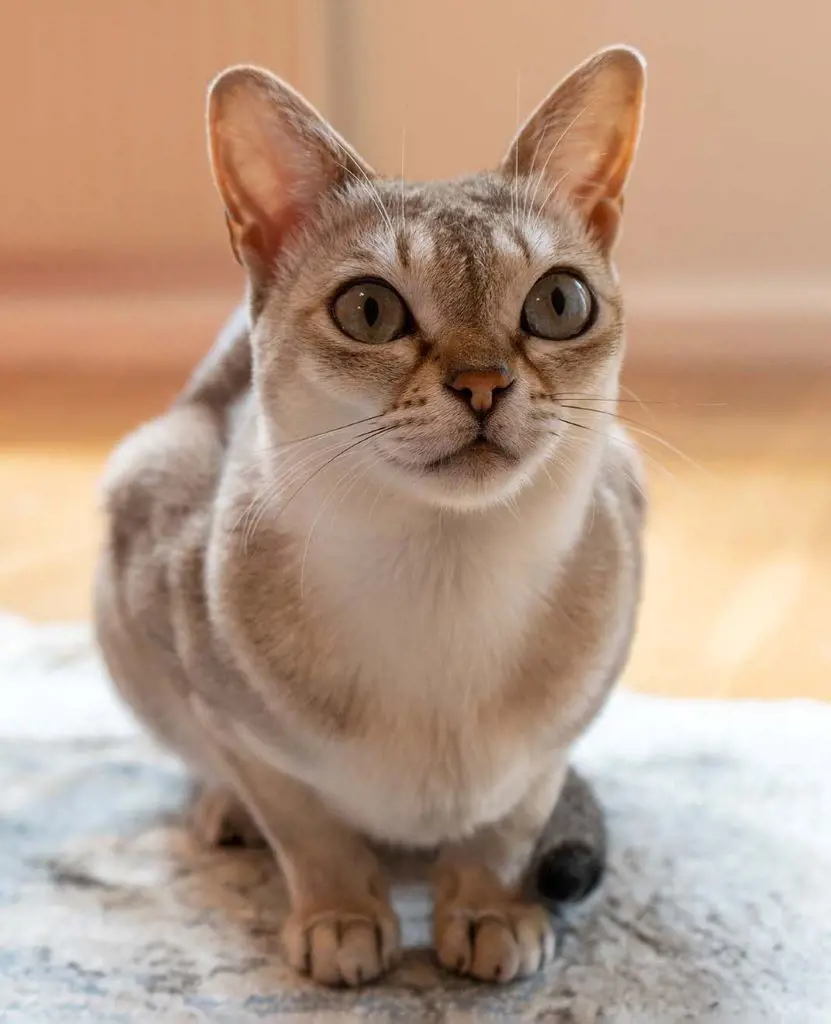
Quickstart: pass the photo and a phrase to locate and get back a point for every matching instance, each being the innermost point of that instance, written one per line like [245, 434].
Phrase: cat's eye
[559, 307]
[371, 311]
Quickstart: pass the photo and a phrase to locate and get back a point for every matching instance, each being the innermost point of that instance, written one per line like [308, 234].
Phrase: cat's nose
[481, 389]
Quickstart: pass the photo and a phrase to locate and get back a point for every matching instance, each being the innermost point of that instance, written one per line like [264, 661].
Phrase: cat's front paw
[343, 946]
[496, 943]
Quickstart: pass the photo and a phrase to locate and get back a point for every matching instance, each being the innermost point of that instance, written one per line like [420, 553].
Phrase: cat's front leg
[482, 925]
[341, 928]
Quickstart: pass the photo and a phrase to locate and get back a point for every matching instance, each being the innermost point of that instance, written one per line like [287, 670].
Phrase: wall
[727, 247]
[103, 119]
[110, 228]
[113, 248]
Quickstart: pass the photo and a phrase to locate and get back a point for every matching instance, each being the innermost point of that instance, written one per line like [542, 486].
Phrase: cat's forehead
[480, 219]
[462, 253]
[462, 243]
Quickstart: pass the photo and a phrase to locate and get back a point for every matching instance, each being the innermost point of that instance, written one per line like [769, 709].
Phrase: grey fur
[397, 642]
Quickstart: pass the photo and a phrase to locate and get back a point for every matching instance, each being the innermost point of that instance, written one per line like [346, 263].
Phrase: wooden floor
[738, 583]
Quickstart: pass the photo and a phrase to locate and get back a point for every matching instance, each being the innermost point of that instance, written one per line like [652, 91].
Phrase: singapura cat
[378, 566]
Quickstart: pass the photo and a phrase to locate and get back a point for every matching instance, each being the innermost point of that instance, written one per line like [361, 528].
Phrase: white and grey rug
[717, 905]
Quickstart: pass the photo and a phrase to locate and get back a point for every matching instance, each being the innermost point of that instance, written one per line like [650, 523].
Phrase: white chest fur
[429, 616]
[431, 610]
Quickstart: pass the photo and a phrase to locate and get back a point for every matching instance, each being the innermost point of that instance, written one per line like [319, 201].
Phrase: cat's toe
[495, 944]
[342, 947]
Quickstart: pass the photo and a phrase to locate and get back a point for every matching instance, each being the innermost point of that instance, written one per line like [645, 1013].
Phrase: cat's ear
[273, 158]
[582, 138]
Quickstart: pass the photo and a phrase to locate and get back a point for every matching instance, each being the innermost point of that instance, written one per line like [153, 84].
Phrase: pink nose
[481, 388]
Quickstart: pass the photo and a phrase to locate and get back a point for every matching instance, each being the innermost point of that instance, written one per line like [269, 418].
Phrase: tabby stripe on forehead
[402, 248]
[467, 239]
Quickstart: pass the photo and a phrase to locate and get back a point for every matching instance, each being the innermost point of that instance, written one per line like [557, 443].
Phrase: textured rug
[717, 905]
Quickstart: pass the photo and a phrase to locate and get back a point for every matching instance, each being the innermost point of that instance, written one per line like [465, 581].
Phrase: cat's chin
[468, 481]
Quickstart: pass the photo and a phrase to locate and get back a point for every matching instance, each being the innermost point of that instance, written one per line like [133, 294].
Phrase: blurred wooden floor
[738, 584]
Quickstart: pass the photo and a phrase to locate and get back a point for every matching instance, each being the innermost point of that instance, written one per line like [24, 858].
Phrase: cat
[378, 566]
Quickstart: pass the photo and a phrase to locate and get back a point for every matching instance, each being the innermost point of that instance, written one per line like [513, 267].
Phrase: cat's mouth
[480, 453]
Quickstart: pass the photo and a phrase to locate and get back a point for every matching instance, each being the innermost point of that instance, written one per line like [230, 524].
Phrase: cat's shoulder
[622, 471]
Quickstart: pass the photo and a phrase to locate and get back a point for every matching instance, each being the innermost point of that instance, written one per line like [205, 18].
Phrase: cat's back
[167, 470]
[157, 494]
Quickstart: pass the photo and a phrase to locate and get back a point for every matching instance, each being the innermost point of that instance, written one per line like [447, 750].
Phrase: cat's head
[454, 325]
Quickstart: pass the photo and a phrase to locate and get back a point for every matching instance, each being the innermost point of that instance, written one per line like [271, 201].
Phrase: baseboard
[704, 323]
[129, 332]
[150, 331]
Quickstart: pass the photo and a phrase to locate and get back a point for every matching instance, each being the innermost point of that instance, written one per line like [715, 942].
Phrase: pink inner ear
[271, 184]
[258, 201]
[582, 137]
[605, 221]
[264, 238]
[273, 158]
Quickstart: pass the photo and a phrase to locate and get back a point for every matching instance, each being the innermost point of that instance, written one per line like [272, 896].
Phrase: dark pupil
[558, 301]
[371, 311]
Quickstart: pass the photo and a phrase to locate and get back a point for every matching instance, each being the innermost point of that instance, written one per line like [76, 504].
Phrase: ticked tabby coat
[378, 566]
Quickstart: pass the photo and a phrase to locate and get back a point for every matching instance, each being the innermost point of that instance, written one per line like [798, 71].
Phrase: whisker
[635, 398]
[368, 484]
[382, 486]
[254, 512]
[530, 176]
[373, 188]
[575, 442]
[363, 440]
[515, 188]
[545, 466]
[376, 195]
[600, 412]
[638, 428]
[671, 447]
[291, 469]
[636, 401]
[357, 472]
[403, 144]
[554, 149]
[548, 197]
[323, 433]
[652, 460]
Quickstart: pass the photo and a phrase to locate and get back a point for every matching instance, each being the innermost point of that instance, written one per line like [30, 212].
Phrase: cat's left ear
[581, 140]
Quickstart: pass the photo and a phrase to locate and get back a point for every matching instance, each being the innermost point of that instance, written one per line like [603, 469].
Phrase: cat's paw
[344, 946]
[498, 943]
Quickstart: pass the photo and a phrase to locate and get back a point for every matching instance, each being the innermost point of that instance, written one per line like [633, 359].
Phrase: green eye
[371, 311]
[558, 307]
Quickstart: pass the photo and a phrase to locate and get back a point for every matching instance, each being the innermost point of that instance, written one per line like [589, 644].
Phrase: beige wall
[735, 167]
[728, 235]
[729, 215]
[103, 140]
[113, 249]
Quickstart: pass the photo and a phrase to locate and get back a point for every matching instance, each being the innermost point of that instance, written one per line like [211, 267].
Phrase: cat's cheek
[373, 374]
[588, 365]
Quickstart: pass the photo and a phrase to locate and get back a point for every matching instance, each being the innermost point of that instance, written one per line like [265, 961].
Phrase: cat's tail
[571, 855]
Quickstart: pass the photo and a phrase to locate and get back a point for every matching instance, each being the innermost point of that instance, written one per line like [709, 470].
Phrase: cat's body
[528, 612]
[361, 608]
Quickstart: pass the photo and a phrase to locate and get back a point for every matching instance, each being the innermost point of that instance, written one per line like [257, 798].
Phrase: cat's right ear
[273, 158]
